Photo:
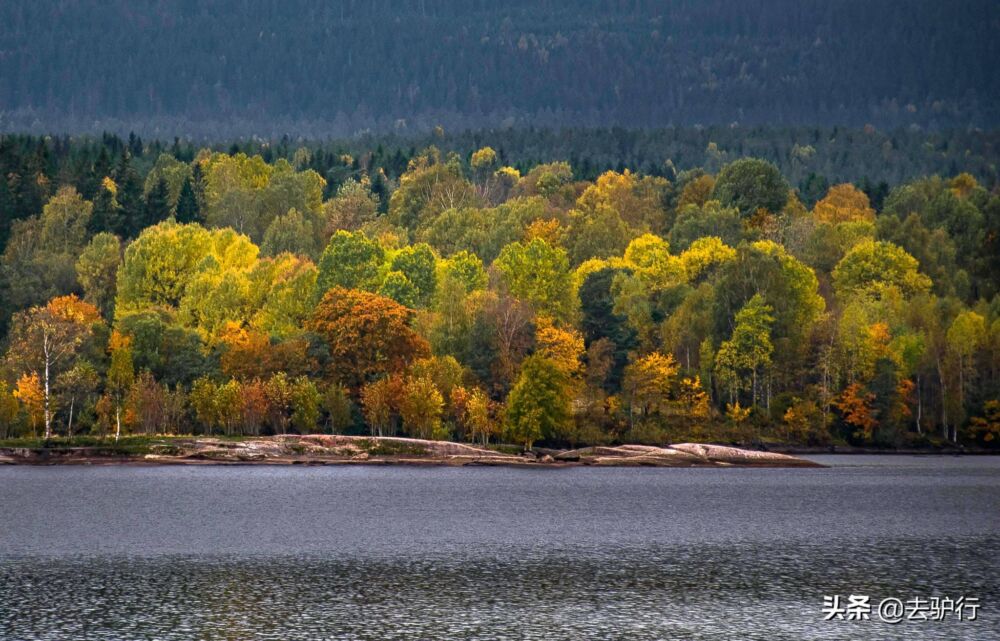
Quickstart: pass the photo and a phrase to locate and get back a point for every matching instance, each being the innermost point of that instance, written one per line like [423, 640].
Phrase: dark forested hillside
[233, 67]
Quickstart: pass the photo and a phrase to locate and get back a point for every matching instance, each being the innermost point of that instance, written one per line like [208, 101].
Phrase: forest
[237, 68]
[476, 291]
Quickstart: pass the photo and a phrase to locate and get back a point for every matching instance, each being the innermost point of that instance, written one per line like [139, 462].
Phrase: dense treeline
[812, 158]
[237, 68]
[154, 289]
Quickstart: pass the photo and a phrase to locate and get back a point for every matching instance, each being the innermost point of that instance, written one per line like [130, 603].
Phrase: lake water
[291, 553]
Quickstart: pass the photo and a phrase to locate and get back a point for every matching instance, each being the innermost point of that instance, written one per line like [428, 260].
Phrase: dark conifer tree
[107, 214]
[198, 185]
[102, 165]
[599, 320]
[813, 188]
[7, 210]
[381, 190]
[188, 210]
[157, 203]
[129, 196]
[30, 184]
[134, 145]
[885, 387]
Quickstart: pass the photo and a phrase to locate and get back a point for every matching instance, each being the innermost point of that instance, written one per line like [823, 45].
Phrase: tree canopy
[442, 295]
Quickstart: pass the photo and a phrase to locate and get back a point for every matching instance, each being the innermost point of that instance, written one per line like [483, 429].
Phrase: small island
[325, 449]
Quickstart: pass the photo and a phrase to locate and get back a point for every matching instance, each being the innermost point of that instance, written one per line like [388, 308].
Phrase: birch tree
[45, 338]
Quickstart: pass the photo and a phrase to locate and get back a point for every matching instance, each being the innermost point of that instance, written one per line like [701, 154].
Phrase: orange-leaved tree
[29, 393]
[369, 335]
[843, 204]
[855, 404]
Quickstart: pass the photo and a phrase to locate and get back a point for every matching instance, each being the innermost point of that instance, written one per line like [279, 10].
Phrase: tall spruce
[129, 196]
[107, 214]
[188, 210]
[157, 203]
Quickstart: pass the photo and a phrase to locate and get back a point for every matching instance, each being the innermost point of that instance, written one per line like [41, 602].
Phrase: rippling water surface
[185, 553]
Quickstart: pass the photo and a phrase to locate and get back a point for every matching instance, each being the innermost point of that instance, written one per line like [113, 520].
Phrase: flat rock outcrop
[325, 449]
[737, 456]
[682, 455]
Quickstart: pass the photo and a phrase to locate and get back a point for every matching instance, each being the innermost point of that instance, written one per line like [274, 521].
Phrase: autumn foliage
[368, 335]
[456, 297]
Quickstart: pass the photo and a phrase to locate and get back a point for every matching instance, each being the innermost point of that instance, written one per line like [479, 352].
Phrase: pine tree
[157, 204]
[7, 210]
[198, 186]
[129, 196]
[381, 191]
[107, 213]
[86, 179]
[102, 164]
[188, 210]
[30, 184]
[134, 144]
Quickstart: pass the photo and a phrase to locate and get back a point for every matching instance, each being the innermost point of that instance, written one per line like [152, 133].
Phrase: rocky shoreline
[353, 450]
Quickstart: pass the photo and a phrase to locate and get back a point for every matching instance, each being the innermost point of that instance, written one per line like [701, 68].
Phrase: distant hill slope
[233, 67]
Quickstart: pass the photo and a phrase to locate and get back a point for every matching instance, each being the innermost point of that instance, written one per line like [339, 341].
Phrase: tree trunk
[48, 415]
[69, 425]
[825, 387]
[961, 382]
[944, 400]
[118, 422]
